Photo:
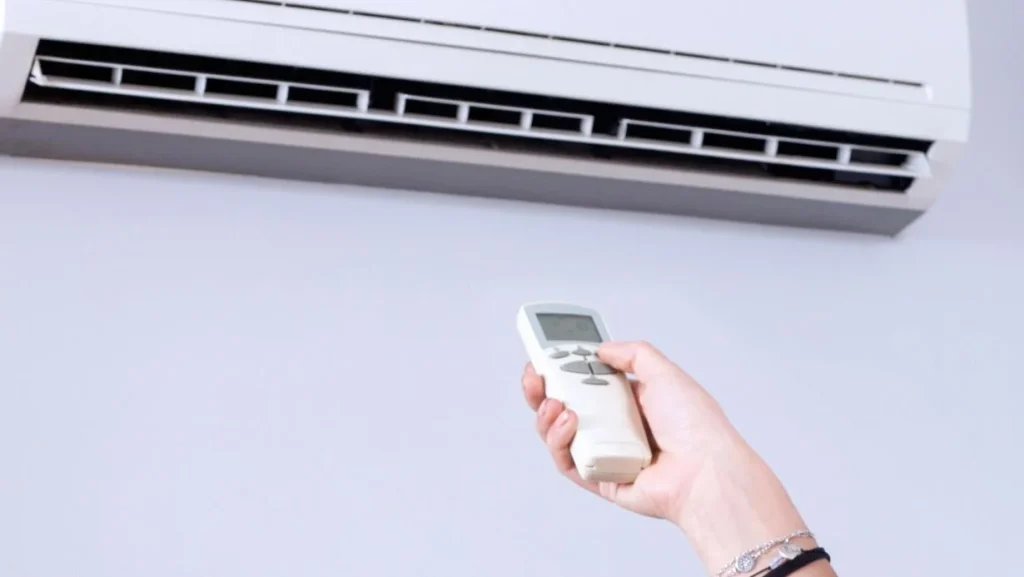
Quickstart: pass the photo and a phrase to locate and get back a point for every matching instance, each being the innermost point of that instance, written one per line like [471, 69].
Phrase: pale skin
[704, 479]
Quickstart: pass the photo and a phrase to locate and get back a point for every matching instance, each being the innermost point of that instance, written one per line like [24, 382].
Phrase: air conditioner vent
[323, 100]
[573, 40]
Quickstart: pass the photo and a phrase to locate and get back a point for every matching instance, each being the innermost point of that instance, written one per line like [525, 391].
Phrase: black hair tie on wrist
[799, 562]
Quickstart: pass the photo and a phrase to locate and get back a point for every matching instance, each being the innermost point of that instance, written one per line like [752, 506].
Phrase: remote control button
[594, 381]
[578, 367]
[601, 369]
[582, 352]
[559, 355]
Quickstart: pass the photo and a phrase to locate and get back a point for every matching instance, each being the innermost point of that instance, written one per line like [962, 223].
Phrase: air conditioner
[795, 112]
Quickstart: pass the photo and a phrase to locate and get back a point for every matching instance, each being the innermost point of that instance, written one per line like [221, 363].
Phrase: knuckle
[544, 428]
[551, 440]
[646, 347]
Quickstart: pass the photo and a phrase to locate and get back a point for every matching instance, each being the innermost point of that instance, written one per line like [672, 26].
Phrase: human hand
[704, 478]
[685, 423]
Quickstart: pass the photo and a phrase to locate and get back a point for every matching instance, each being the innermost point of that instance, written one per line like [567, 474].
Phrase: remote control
[561, 340]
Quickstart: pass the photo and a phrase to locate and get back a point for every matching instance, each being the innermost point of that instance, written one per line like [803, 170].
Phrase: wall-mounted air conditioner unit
[797, 112]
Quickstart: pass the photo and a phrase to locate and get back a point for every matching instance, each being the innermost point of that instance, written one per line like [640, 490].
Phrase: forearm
[735, 503]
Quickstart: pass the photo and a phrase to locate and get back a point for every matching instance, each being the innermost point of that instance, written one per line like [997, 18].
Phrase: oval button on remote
[582, 352]
[594, 381]
[578, 367]
[601, 369]
[559, 355]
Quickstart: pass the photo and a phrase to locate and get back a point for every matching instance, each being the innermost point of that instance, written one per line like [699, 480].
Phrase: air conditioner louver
[126, 78]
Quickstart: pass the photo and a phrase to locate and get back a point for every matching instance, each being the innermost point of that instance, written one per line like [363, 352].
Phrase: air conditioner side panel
[385, 164]
[17, 52]
[943, 159]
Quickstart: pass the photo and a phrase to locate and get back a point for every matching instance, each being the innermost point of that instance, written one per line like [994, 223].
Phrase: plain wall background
[209, 375]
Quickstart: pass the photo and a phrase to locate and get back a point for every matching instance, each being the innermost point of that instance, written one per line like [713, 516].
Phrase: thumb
[639, 358]
[631, 497]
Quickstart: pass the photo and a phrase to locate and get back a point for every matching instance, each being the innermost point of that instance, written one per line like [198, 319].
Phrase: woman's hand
[704, 478]
[685, 422]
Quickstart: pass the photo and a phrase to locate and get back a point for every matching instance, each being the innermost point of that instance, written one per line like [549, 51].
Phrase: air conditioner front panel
[919, 43]
[899, 40]
[523, 43]
[62, 20]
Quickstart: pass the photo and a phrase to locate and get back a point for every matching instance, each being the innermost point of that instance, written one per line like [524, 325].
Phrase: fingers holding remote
[547, 413]
[556, 427]
[533, 387]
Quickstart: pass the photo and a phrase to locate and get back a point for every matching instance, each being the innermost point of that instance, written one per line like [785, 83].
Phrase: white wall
[206, 375]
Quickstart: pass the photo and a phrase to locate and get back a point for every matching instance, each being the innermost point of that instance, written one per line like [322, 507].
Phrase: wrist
[735, 503]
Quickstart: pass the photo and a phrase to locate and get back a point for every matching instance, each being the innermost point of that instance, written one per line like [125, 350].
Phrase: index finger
[533, 387]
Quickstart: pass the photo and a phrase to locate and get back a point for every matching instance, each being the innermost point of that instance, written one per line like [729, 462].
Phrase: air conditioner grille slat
[417, 106]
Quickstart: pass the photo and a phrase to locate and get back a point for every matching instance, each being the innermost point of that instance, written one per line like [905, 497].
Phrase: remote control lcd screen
[558, 327]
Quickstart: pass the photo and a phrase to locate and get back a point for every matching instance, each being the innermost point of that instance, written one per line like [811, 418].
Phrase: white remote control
[562, 340]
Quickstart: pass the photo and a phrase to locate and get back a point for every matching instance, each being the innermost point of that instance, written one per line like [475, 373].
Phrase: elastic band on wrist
[799, 562]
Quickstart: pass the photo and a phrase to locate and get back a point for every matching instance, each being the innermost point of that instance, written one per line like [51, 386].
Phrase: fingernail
[563, 418]
[544, 406]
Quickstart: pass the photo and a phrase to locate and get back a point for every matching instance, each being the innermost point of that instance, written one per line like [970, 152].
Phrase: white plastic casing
[610, 443]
